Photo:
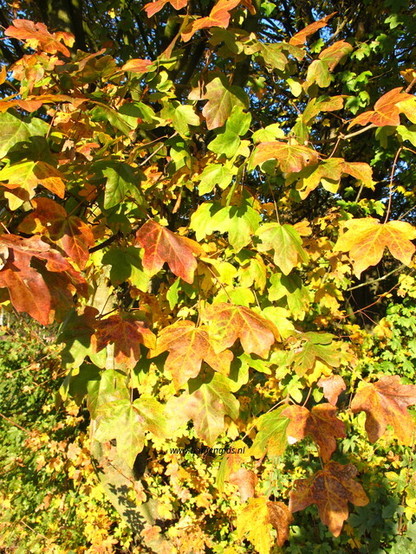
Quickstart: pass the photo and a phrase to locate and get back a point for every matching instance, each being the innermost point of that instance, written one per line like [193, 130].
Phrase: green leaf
[206, 407]
[14, 130]
[126, 265]
[286, 243]
[213, 175]
[291, 288]
[121, 183]
[221, 100]
[228, 141]
[180, 115]
[271, 435]
[240, 222]
[134, 419]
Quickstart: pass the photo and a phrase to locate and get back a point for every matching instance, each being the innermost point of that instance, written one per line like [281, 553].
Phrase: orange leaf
[330, 489]
[188, 346]
[28, 175]
[301, 37]
[38, 291]
[219, 17]
[320, 423]
[68, 231]
[126, 334]
[291, 158]
[334, 53]
[386, 109]
[161, 245]
[154, 7]
[333, 386]
[38, 37]
[228, 322]
[366, 239]
[137, 65]
[385, 403]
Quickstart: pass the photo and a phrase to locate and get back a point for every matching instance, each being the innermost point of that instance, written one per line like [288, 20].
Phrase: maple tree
[197, 232]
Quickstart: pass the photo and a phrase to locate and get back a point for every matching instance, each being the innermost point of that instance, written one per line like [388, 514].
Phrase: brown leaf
[280, 517]
[385, 402]
[126, 333]
[320, 423]
[228, 322]
[330, 489]
[333, 386]
[161, 245]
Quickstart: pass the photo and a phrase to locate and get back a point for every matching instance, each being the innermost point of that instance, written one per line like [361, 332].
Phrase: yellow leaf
[367, 238]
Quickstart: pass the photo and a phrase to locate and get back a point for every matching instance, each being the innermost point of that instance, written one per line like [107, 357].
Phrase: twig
[393, 171]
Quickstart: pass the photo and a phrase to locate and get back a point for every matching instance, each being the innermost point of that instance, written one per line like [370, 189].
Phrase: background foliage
[214, 205]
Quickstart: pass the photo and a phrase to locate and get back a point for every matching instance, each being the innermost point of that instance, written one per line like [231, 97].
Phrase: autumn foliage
[199, 257]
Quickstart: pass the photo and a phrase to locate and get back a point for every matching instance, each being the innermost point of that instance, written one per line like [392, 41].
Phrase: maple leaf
[219, 17]
[330, 489]
[291, 158]
[312, 347]
[319, 71]
[271, 435]
[246, 481]
[161, 245]
[385, 403]
[228, 322]
[301, 37]
[110, 405]
[366, 239]
[32, 289]
[154, 7]
[286, 243]
[320, 423]
[206, 407]
[386, 111]
[38, 37]
[257, 519]
[332, 386]
[126, 333]
[137, 65]
[222, 99]
[28, 175]
[69, 232]
[188, 346]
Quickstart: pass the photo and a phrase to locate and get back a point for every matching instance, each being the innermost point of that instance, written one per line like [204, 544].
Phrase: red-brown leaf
[127, 334]
[68, 231]
[161, 245]
[320, 423]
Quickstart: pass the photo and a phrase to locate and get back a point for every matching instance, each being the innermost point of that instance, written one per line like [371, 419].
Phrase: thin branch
[401, 266]
[393, 171]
